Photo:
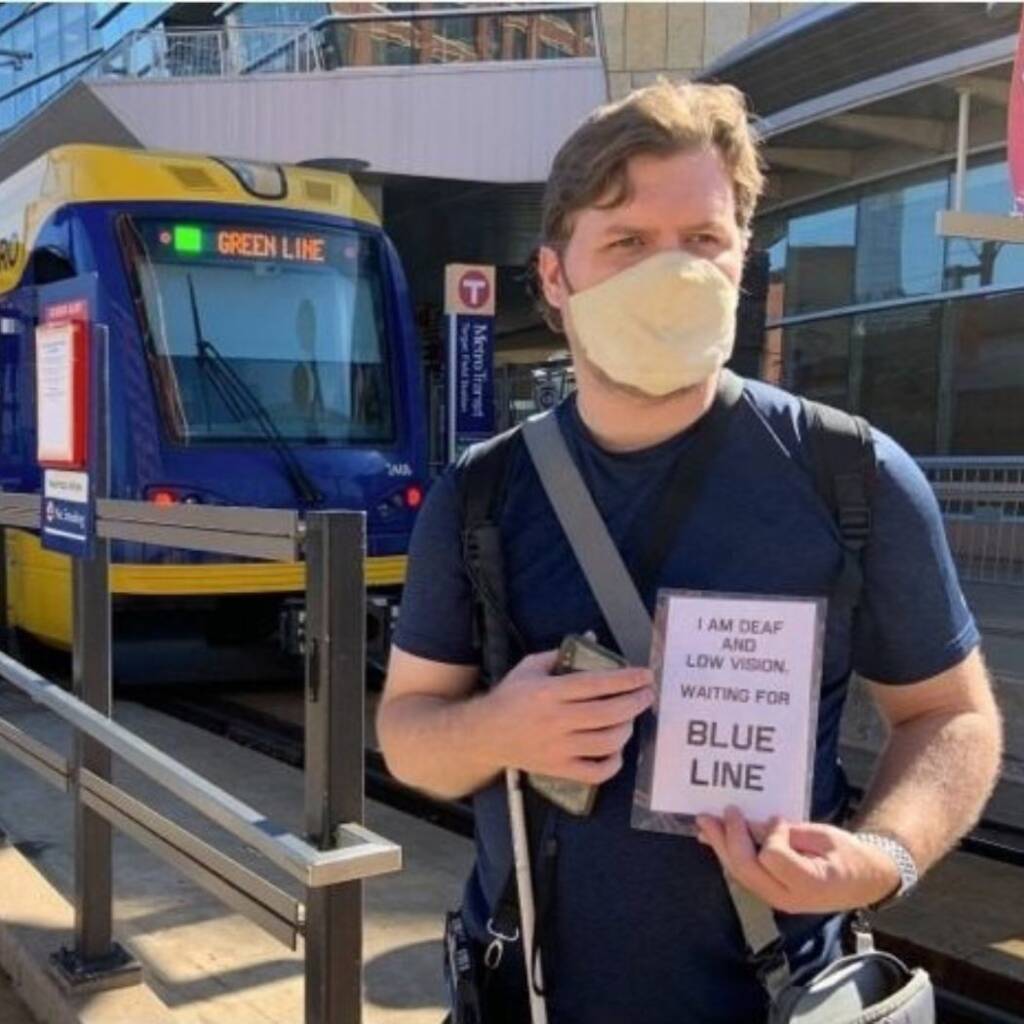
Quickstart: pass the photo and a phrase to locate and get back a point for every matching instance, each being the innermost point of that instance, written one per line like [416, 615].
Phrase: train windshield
[257, 332]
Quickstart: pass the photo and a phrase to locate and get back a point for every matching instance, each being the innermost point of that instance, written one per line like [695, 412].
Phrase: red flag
[1015, 126]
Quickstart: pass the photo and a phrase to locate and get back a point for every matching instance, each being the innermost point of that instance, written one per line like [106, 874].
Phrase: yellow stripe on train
[39, 582]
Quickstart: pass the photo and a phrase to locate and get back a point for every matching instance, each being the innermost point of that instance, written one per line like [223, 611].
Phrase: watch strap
[901, 857]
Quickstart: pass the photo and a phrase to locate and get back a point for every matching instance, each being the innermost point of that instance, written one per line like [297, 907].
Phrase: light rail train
[261, 353]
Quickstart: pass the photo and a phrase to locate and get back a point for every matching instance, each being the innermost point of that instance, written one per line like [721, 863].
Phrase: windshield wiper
[233, 390]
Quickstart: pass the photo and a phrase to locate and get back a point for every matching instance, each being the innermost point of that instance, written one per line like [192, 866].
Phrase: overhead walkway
[484, 97]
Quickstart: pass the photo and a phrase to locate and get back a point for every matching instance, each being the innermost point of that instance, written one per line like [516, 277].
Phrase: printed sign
[737, 711]
[474, 376]
[67, 513]
[61, 391]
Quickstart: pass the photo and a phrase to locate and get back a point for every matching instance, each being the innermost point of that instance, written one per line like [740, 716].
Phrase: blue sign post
[470, 305]
[474, 378]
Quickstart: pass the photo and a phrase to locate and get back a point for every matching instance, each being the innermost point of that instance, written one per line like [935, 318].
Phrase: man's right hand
[572, 726]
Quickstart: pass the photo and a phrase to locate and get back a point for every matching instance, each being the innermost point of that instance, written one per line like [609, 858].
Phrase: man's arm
[437, 735]
[932, 781]
[427, 707]
[941, 760]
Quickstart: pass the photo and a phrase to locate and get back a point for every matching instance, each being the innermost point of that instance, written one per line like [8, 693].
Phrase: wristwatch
[901, 857]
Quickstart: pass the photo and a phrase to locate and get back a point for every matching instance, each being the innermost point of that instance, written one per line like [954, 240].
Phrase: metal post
[335, 692]
[95, 961]
[963, 131]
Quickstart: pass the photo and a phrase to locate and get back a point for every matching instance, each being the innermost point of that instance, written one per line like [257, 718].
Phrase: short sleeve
[436, 616]
[913, 622]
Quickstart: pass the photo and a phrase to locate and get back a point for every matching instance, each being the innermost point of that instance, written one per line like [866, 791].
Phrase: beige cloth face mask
[665, 324]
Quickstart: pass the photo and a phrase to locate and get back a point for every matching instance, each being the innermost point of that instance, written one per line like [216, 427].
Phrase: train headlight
[161, 495]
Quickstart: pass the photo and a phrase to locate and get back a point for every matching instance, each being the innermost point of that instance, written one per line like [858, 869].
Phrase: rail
[428, 37]
[982, 503]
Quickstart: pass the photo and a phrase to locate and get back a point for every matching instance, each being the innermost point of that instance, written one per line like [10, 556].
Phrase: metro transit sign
[470, 306]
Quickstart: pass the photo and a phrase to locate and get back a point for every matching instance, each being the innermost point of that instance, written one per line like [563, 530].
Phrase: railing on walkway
[415, 37]
[982, 502]
[336, 852]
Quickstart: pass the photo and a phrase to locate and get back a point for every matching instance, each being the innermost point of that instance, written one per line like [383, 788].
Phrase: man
[651, 195]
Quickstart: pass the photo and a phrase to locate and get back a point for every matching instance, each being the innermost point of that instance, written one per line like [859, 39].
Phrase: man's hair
[662, 119]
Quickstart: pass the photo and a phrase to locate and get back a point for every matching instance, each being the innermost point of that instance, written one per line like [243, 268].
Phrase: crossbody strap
[612, 586]
[631, 625]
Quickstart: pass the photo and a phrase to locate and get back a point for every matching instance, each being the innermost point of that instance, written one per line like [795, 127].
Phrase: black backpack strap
[480, 485]
[844, 470]
[481, 482]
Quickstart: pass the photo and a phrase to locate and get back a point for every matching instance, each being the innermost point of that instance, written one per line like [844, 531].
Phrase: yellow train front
[262, 353]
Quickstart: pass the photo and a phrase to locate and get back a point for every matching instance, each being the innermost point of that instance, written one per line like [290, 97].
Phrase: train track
[283, 741]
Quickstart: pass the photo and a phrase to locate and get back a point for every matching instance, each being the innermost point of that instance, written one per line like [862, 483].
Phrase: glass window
[820, 259]
[459, 36]
[816, 360]
[45, 89]
[988, 376]
[47, 21]
[393, 43]
[22, 39]
[975, 264]
[895, 378]
[254, 323]
[770, 238]
[6, 65]
[277, 13]
[74, 31]
[24, 102]
[898, 252]
[8, 12]
[514, 42]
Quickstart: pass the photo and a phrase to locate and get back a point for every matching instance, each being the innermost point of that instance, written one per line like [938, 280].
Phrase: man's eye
[704, 238]
[629, 242]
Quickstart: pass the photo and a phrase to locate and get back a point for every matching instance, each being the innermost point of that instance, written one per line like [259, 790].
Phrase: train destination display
[737, 708]
[221, 241]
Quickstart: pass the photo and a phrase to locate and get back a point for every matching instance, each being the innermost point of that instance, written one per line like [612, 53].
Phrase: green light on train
[188, 238]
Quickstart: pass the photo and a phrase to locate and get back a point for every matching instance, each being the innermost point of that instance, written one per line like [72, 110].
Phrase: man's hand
[800, 869]
[573, 726]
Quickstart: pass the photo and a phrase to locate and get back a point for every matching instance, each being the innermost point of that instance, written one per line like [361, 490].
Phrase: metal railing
[335, 853]
[982, 503]
[204, 53]
[338, 851]
[417, 37]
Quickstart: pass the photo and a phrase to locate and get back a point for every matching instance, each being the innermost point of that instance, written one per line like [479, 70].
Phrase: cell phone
[575, 654]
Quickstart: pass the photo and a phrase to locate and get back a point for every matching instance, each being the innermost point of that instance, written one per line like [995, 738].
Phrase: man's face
[684, 201]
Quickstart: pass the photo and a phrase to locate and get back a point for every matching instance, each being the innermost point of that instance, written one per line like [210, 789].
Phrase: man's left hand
[800, 868]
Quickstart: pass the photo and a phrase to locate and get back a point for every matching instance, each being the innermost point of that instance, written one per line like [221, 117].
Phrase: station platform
[12, 1009]
[202, 963]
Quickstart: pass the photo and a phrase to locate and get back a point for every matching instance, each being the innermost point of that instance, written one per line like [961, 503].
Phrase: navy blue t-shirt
[641, 926]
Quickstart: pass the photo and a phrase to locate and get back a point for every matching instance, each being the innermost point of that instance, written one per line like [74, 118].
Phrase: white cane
[524, 885]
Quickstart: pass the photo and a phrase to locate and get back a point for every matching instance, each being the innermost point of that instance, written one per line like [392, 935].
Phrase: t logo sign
[474, 289]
